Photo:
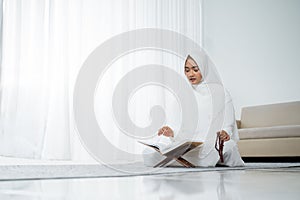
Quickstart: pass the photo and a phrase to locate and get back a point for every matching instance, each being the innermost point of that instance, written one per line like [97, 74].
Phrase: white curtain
[45, 42]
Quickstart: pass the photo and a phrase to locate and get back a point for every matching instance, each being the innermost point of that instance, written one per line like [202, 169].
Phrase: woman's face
[192, 71]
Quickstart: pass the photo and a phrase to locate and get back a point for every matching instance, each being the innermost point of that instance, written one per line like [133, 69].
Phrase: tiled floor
[236, 184]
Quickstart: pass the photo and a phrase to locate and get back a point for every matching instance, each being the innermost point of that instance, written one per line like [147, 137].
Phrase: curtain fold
[45, 42]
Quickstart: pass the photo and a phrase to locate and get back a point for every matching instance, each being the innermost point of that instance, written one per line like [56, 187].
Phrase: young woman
[216, 118]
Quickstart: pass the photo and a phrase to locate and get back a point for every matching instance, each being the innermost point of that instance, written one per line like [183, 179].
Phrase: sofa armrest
[238, 123]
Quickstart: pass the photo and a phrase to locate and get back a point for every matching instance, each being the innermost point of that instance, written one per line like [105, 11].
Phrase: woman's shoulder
[219, 88]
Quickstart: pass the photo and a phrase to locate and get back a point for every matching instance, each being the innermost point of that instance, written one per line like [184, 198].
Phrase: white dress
[207, 155]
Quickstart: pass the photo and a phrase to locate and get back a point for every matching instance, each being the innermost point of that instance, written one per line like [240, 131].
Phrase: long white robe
[206, 132]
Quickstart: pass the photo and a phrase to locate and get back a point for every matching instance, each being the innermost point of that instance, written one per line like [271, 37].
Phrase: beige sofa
[270, 130]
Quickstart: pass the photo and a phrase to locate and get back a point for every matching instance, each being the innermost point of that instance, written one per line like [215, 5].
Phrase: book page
[180, 146]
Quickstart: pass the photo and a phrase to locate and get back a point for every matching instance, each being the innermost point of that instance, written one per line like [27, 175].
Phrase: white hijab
[211, 84]
[210, 97]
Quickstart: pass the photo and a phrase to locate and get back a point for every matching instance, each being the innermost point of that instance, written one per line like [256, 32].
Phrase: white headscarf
[210, 85]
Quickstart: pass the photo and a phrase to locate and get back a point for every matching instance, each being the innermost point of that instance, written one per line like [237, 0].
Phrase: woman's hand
[166, 131]
[224, 136]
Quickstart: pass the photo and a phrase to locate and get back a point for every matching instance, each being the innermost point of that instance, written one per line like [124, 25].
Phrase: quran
[174, 151]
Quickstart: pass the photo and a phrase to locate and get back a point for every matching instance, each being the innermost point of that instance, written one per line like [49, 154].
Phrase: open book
[175, 151]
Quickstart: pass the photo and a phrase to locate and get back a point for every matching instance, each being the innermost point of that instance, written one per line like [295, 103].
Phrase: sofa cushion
[270, 132]
[280, 114]
[270, 147]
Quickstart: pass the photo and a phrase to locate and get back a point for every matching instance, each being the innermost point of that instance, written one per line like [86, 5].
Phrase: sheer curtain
[45, 42]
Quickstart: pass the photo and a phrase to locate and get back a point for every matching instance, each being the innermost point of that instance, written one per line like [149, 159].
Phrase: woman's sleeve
[229, 115]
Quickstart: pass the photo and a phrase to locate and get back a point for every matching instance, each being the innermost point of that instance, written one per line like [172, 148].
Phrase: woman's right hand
[166, 131]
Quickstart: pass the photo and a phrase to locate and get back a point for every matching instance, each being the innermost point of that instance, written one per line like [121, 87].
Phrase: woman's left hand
[224, 136]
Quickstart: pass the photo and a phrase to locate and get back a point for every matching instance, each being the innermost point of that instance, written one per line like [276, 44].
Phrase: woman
[215, 115]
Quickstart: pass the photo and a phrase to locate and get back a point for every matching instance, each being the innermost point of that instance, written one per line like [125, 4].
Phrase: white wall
[256, 47]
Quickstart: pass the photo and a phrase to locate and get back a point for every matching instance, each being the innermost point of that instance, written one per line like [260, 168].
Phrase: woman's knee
[233, 158]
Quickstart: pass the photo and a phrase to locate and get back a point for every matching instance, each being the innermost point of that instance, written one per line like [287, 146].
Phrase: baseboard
[271, 159]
